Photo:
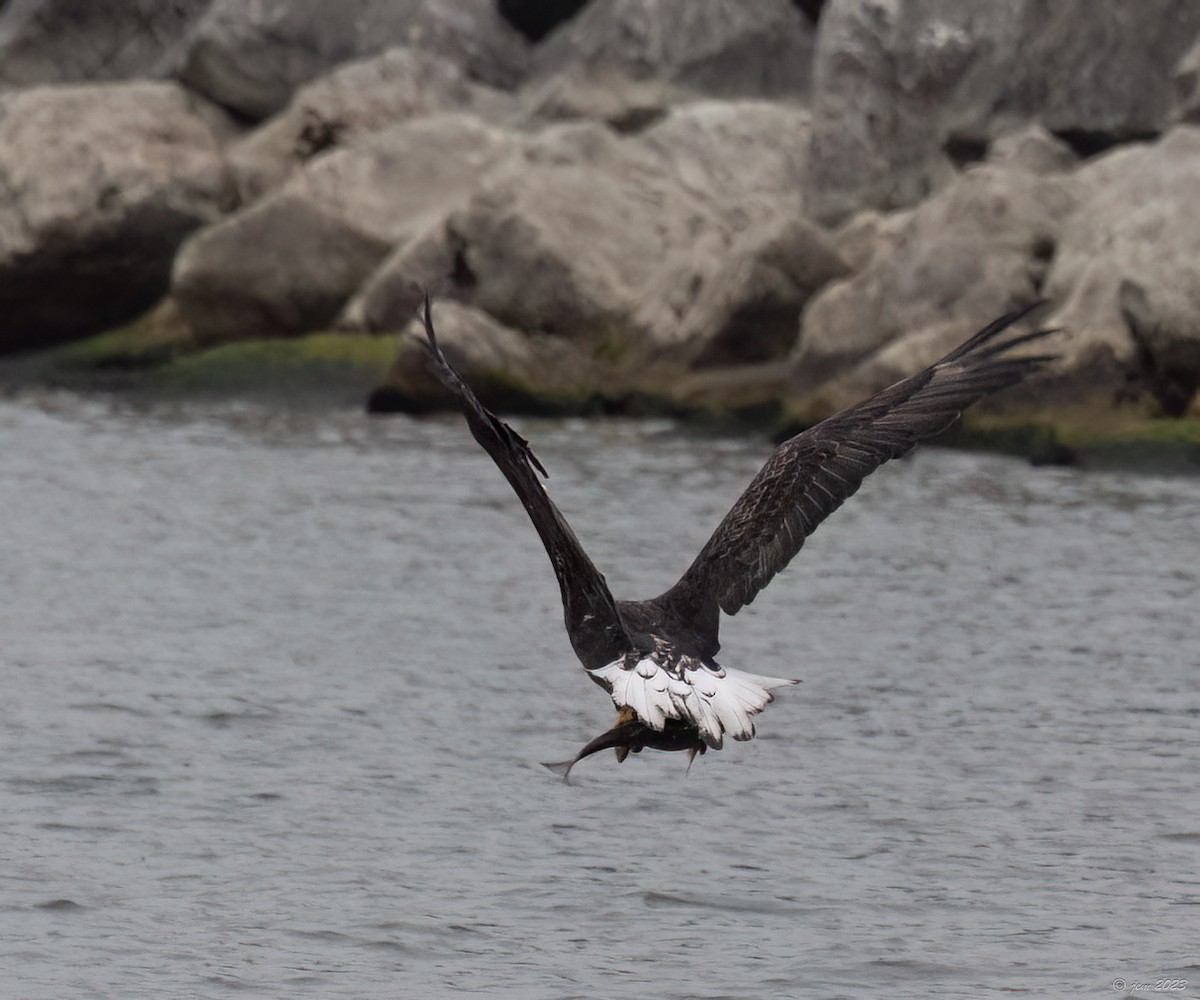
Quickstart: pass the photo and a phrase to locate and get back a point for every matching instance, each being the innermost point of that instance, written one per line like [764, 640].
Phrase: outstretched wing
[810, 475]
[592, 621]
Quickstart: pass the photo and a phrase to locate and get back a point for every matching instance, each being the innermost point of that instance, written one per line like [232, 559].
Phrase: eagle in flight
[657, 658]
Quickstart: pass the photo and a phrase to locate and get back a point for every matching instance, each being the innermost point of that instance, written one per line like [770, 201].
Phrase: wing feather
[593, 623]
[812, 474]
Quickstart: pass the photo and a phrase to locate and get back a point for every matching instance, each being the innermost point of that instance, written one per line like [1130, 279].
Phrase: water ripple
[277, 687]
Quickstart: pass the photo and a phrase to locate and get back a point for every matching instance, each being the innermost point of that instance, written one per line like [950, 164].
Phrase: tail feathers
[715, 700]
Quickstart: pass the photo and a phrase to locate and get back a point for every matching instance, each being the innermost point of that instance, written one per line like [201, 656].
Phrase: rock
[507, 370]
[727, 48]
[868, 235]
[389, 298]
[64, 41]
[569, 238]
[1110, 244]
[746, 308]
[1186, 83]
[1033, 150]
[354, 100]
[284, 266]
[472, 35]
[619, 101]
[536, 373]
[98, 186]
[1167, 335]
[890, 84]
[1095, 71]
[289, 263]
[1124, 275]
[562, 237]
[251, 57]
[607, 240]
[976, 249]
[902, 87]
[744, 159]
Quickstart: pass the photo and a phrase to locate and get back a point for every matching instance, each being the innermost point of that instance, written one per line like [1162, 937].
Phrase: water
[276, 686]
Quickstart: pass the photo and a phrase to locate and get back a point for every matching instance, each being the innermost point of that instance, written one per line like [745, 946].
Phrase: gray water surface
[276, 687]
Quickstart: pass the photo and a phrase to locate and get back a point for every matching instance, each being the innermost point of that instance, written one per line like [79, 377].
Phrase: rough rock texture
[508, 370]
[902, 87]
[608, 239]
[729, 48]
[1095, 70]
[622, 102]
[1125, 275]
[389, 298]
[1186, 83]
[282, 267]
[979, 247]
[659, 215]
[741, 305]
[1033, 150]
[98, 186]
[362, 97]
[64, 41]
[251, 56]
[745, 160]
[636, 204]
[290, 262]
[561, 239]
[568, 238]
[472, 35]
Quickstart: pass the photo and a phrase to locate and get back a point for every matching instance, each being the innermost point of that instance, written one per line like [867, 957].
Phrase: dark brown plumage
[656, 657]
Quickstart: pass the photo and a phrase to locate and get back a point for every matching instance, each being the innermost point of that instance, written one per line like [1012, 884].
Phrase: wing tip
[996, 327]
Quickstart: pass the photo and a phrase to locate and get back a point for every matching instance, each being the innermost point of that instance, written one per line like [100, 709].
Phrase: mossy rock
[317, 365]
[157, 357]
[108, 359]
[1070, 436]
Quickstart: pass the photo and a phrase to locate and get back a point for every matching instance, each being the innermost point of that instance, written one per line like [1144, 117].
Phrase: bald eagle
[657, 658]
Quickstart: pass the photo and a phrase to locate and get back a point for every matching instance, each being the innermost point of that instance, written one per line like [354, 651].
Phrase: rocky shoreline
[746, 210]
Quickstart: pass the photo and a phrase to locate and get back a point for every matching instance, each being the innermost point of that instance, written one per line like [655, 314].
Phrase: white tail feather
[716, 702]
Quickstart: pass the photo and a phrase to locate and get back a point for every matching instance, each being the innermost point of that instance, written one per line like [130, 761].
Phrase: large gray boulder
[64, 41]
[904, 88]
[281, 267]
[562, 237]
[626, 61]
[718, 305]
[573, 236]
[613, 240]
[1124, 275]
[727, 48]
[290, 262]
[976, 249]
[745, 160]
[98, 186]
[388, 299]
[475, 37]
[251, 57]
[509, 370]
[354, 100]
[1033, 150]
